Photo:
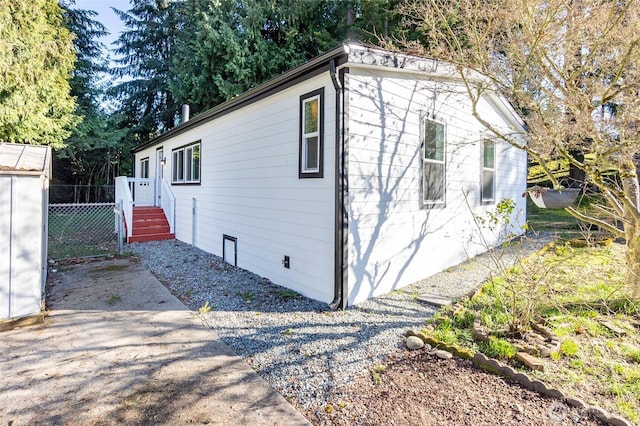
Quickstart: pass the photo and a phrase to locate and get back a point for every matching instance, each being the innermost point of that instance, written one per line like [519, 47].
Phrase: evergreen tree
[36, 61]
[92, 152]
[204, 52]
[229, 46]
[377, 21]
[145, 48]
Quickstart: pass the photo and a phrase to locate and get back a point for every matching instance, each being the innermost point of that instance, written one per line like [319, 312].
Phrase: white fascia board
[509, 113]
[433, 70]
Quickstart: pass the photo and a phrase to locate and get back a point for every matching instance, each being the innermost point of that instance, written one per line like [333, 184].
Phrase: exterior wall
[22, 244]
[393, 240]
[250, 190]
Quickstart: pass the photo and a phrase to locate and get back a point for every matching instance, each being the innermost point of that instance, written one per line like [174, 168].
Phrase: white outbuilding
[24, 191]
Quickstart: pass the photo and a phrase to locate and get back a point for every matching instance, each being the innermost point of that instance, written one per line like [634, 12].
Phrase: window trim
[319, 173]
[431, 204]
[144, 167]
[186, 168]
[483, 168]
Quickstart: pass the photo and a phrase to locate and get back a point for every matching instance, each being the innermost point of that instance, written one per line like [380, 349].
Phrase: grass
[560, 169]
[60, 223]
[551, 220]
[564, 226]
[81, 233]
[376, 373]
[59, 250]
[113, 299]
[579, 294]
[246, 296]
[286, 294]
[206, 308]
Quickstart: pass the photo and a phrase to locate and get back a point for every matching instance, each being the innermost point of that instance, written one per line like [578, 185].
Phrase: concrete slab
[434, 300]
[116, 348]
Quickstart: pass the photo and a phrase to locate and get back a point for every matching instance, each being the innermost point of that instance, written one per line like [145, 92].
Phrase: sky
[106, 16]
[113, 25]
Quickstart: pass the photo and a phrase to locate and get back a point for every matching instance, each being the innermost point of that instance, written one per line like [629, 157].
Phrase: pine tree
[147, 105]
[204, 52]
[229, 46]
[92, 152]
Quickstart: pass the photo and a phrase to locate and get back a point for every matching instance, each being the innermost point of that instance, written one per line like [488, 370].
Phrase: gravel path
[301, 347]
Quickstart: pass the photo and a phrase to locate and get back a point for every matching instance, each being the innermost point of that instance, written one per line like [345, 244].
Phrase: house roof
[304, 71]
[349, 55]
[25, 159]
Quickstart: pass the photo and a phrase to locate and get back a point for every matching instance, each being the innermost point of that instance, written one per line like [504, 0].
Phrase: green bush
[498, 348]
[569, 348]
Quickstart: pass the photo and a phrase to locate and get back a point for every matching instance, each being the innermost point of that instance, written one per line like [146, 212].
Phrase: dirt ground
[419, 389]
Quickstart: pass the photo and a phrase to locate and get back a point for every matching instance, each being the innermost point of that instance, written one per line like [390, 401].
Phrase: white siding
[392, 240]
[250, 190]
[22, 239]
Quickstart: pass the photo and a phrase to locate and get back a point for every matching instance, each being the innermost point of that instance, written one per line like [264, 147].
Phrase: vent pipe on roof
[185, 113]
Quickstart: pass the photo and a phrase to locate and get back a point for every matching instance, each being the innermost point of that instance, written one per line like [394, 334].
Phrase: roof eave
[340, 52]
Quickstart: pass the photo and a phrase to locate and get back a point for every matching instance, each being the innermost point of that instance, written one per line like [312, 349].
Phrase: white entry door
[160, 163]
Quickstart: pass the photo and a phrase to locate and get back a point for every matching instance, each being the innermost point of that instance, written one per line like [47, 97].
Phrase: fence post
[120, 229]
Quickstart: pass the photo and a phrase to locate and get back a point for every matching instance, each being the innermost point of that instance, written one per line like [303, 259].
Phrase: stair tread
[149, 223]
[150, 237]
[151, 231]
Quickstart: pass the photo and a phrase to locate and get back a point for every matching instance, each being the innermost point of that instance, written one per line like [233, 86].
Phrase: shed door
[21, 244]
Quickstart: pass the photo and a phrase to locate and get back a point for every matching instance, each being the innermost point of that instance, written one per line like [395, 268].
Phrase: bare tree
[572, 69]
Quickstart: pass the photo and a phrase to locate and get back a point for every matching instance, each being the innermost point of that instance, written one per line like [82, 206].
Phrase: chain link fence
[75, 194]
[82, 230]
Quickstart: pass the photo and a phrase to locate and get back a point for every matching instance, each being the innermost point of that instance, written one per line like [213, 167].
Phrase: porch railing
[124, 199]
[142, 192]
[168, 204]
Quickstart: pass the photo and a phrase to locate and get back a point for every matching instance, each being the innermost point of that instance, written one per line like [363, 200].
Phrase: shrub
[569, 348]
[498, 348]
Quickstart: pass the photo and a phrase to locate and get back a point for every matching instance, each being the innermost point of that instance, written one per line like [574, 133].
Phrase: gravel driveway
[301, 347]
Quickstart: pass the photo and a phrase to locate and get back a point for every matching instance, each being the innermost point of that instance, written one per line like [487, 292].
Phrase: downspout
[340, 292]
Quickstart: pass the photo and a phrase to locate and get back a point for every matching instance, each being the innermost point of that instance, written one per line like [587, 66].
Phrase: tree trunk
[632, 256]
[632, 229]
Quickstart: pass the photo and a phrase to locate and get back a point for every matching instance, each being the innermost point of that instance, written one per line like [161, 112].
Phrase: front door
[160, 162]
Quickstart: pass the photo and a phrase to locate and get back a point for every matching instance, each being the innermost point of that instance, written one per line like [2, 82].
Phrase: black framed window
[144, 168]
[433, 163]
[487, 184]
[311, 149]
[185, 164]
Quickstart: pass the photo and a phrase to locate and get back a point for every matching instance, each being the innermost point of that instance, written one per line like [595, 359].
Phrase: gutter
[340, 291]
[327, 62]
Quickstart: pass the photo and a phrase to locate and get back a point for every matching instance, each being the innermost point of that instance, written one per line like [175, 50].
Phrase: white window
[487, 184]
[433, 164]
[144, 168]
[311, 161]
[186, 164]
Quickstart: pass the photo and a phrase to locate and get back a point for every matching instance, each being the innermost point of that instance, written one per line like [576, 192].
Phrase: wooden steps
[149, 224]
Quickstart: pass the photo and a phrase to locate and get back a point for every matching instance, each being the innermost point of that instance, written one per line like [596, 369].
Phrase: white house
[24, 195]
[347, 177]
